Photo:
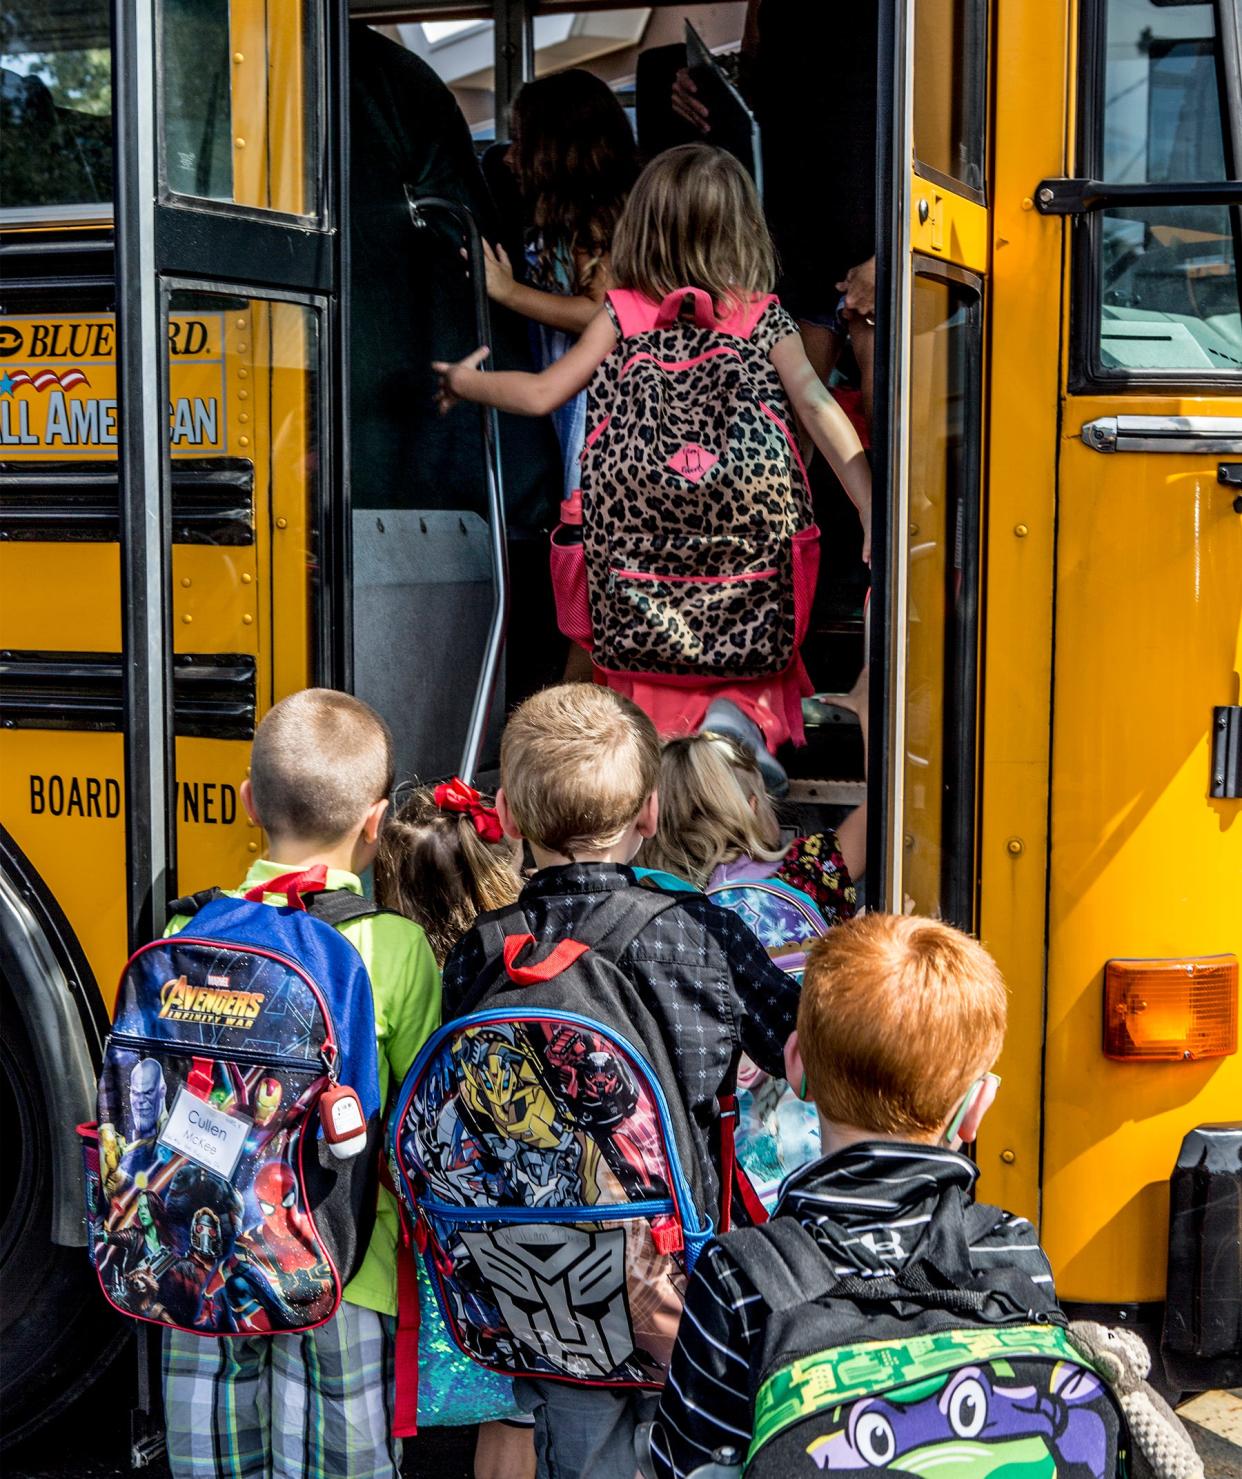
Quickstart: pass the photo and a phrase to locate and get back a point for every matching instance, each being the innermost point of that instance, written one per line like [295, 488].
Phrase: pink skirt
[678, 706]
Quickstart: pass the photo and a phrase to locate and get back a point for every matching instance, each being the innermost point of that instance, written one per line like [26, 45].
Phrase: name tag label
[204, 1134]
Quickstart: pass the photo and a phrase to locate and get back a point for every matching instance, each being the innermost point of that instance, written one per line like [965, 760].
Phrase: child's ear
[979, 1106]
[373, 821]
[509, 826]
[247, 801]
[794, 1071]
[647, 823]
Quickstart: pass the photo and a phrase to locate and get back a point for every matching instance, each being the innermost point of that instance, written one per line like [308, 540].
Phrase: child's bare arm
[519, 391]
[571, 313]
[829, 426]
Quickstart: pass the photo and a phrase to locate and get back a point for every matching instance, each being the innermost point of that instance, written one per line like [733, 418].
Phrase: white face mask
[969, 1100]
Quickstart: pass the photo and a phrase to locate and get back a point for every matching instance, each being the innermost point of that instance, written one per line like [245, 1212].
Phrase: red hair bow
[456, 795]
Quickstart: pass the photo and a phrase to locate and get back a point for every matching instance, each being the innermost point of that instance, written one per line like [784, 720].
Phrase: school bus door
[1146, 807]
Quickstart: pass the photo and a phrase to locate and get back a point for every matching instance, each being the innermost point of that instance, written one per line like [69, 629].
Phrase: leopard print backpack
[698, 539]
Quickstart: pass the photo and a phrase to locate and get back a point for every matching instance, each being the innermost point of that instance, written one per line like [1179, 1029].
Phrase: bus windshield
[55, 105]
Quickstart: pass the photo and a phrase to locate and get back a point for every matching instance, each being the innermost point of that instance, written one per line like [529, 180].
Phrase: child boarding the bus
[316, 1403]
[689, 564]
[443, 859]
[544, 1107]
[900, 1024]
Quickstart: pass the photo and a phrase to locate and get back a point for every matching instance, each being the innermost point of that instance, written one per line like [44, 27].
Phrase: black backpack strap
[192, 903]
[609, 930]
[338, 906]
[783, 1261]
[917, 1284]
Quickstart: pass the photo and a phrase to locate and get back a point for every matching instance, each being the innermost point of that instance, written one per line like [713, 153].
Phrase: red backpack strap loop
[704, 308]
[409, 1321]
[732, 1172]
[561, 958]
[292, 885]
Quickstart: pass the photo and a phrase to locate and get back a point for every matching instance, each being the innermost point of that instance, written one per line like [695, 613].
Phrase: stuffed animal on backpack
[1162, 1446]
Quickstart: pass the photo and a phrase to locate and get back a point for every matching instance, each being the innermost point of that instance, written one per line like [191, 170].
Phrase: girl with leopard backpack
[687, 565]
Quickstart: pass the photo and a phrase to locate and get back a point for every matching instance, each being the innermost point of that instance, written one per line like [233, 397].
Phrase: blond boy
[579, 767]
[316, 1405]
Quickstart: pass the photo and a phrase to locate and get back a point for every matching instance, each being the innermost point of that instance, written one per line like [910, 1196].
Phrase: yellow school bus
[1056, 608]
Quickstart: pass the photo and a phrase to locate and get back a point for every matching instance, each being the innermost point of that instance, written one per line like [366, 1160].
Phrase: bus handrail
[486, 688]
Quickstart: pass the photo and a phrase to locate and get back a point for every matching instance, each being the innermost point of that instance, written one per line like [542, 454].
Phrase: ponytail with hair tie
[456, 795]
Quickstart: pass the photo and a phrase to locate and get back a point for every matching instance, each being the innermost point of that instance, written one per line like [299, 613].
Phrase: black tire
[56, 1331]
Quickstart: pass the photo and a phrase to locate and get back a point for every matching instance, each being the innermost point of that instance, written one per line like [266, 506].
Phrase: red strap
[732, 1171]
[201, 1080]
[562, 957]
[292, 885]
[409, 1319]
[668, 1235]
[728, 1158]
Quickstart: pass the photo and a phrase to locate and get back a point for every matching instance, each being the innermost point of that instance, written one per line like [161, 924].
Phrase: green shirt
[405, 983]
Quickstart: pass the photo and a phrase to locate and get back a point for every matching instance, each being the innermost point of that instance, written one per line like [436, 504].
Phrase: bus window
[1166, 277]
[942, 564]
[950, 93]
[55, 108]
[240, 107]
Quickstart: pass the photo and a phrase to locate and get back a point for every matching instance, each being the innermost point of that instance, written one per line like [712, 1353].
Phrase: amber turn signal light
[1171, 1011]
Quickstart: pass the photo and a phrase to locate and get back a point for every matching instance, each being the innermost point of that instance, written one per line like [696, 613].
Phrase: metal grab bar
[486, 689]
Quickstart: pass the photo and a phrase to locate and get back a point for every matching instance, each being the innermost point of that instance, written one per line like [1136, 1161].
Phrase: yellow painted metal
[1143, 862]
[955, 229]
[269, 115]
[1030, 48]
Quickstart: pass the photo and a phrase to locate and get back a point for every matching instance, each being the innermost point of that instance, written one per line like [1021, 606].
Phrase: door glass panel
[942, 571]
[950, 88]
[244, 417]
[55, 105]
[1168, 276]
[239, 110]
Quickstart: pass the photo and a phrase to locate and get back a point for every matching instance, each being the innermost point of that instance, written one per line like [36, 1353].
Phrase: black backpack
[544, 1156]
[936, 1369]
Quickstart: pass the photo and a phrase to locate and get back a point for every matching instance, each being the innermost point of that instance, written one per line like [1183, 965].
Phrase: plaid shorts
[312, 1406]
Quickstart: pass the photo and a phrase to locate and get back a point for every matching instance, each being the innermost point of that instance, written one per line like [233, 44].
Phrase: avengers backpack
[935, 1369]
[545, 1163]
[231, 1176]
[688, 436]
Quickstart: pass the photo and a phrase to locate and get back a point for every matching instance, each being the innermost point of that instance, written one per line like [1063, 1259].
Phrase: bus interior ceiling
[432, 572]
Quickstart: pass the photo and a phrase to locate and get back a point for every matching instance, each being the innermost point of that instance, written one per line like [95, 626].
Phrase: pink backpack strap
[636, 313]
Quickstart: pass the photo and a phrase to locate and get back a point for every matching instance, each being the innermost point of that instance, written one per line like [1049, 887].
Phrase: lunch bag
[217, 1200]
[698, 551]
[550, 1180]
[936, 1368]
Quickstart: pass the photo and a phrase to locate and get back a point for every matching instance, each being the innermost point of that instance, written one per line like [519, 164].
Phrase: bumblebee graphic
[510, 1105]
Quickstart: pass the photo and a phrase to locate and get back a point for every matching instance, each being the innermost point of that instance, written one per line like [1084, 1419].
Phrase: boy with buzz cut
[900, 1023]
[318, 1404]
[579, 766]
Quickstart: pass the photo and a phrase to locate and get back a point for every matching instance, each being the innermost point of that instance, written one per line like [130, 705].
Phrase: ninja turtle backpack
[231, 1176]
[935, 1369]
[549, 1179]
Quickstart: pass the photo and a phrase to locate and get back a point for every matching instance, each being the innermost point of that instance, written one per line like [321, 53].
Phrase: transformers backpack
[550, 1180]
[937, 1368]
[231, 1176]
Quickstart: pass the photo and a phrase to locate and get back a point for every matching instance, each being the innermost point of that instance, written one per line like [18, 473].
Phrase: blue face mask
[969, 1099]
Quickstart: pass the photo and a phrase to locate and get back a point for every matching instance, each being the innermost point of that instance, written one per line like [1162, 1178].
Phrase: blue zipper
[608, 1212]
[681, 1192]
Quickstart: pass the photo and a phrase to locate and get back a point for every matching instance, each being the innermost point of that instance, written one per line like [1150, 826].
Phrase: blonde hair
[577, 762]
[433, 867]
[898, 1016]
[319, 759]
[693, 219]
[714, 808]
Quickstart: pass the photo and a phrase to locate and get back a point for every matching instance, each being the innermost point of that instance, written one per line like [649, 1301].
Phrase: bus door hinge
[1226, 753]
[1229, 475]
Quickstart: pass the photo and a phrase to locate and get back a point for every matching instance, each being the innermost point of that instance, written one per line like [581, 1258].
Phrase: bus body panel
[1144, 863]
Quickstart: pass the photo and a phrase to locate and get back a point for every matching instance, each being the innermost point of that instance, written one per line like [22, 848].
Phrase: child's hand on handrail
[450, 389]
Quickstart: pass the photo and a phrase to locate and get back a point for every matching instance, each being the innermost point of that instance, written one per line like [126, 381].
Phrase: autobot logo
[561, 1291]
[181, 1002]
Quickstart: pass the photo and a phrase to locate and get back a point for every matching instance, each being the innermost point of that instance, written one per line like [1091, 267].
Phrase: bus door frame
[164, 242]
